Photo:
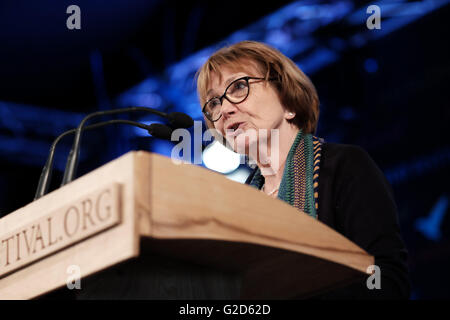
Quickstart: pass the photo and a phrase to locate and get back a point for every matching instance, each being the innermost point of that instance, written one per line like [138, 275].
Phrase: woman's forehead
[216, 78]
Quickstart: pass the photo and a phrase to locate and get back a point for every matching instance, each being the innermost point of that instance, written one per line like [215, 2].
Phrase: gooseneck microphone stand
[155, 129]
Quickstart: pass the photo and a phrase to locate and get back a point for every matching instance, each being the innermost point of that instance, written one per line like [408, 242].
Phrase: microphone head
[160, 131]
[180, 120]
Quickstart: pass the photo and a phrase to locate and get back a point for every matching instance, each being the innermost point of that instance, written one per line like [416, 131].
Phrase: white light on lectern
[218, 158]
[239, 175]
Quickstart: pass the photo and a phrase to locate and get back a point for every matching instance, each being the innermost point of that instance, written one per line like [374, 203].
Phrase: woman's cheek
[219, 128]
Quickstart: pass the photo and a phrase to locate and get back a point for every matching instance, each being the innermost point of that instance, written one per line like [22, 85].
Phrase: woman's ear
[289, 115]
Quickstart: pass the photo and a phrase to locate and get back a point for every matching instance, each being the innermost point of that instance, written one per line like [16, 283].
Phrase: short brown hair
[295, 89]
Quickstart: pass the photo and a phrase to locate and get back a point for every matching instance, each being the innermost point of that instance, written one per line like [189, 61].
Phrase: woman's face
[241, 123]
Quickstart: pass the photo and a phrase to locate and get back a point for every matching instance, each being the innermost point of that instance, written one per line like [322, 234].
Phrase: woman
[265, 107]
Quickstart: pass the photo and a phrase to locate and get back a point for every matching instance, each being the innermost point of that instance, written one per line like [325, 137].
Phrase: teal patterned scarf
[299, 185]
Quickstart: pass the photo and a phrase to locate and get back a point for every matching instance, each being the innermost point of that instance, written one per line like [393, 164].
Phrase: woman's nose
[228, 108]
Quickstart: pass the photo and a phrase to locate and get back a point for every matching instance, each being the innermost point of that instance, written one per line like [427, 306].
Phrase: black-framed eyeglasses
[236, 92]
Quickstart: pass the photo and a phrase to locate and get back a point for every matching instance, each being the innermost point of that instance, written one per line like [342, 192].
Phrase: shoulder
[347, 158]
[350, 167]
[344, 152]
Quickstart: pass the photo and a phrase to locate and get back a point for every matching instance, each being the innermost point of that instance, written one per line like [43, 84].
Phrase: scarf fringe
[299, 185]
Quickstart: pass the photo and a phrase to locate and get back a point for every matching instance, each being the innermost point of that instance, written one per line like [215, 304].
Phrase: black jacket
[356, 200]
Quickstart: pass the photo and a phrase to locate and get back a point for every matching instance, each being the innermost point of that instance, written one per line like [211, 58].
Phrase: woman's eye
[214, 103]
[238, 86]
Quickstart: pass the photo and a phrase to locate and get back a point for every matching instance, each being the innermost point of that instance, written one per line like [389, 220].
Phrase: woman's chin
[245, 146]
[243, 141]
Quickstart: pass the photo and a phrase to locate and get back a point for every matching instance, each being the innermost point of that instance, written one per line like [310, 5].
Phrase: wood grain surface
[186, 232]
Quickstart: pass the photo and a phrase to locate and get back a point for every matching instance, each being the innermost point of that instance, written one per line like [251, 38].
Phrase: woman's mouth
[235, 129]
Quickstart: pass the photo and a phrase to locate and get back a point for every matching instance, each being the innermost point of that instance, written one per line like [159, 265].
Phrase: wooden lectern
[143, 227]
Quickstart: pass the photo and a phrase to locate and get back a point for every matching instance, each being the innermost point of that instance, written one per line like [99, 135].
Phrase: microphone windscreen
[160, 131]
[180, 120]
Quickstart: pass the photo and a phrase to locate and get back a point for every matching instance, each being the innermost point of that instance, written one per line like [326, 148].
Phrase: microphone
[158, 130]
[180, 120]
[155, 129]
[176, 120]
